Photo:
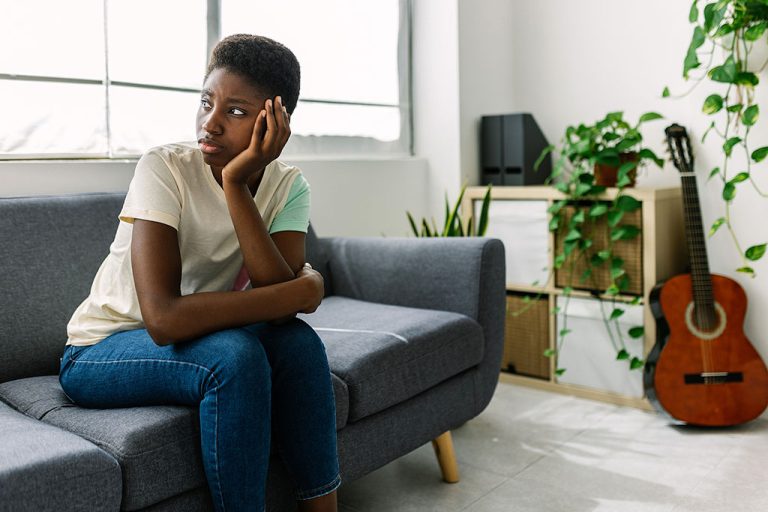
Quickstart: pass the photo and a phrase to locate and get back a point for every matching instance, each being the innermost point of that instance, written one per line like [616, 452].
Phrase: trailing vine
[730, 28]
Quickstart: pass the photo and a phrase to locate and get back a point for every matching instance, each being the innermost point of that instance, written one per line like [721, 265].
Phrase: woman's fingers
[258, 129]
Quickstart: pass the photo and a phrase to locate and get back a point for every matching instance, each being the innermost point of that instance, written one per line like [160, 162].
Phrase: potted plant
[453, 225]
[588, 228]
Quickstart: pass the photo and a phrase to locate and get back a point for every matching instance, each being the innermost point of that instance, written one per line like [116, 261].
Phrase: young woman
[170, 318]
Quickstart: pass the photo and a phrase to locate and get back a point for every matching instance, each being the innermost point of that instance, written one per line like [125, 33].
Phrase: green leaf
[627, 203]
[554, 222]
[636, 363]
[691, 59]
[573, 235]
[714, 172]
[709, 128]
[413, 224]
[582, 189]
[547, 150]
[665, 92]
[549, 352]
[649, 116]
[736, 107]
[746, 78]
[559, 260]
[755, 32]
[622, 355]
[728, 145]
[612, 290]
[725, 73]
[742, 176]
[716, 225]
[559, 371]
[636, 332]
[724, 30]
[759, 154]
[693, 15]
[614, 217]
[425, 229]
[755, 252]
[616, 313]
[713, 14]
[564, 332]
[729, 191]
[713, 103]
[567, 291]
[482, 226]
[598, 209]
[646, 153]
[604, 254]
[627, 232]
[578, 218]
[746, 270]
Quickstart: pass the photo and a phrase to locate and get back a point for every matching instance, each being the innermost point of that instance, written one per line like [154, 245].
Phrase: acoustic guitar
[702, 370]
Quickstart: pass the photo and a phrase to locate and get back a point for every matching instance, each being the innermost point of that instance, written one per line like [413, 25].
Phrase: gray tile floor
[534, 451]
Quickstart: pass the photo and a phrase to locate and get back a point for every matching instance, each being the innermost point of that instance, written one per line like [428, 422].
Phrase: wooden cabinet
[518, 216]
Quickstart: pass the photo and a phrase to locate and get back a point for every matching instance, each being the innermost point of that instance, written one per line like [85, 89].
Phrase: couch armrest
[463, 275]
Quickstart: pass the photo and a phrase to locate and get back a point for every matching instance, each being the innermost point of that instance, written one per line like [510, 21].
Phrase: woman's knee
[296, 341]
[237, 354]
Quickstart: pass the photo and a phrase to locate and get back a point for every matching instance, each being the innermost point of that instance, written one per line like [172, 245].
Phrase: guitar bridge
[713, 377]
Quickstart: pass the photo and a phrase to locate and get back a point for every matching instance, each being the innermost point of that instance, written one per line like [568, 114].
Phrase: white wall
[349, 197]
[575, 61]
[436, 100]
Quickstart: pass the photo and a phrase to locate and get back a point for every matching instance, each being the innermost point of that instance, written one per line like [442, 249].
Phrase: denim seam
[321, 491]
[216, 398]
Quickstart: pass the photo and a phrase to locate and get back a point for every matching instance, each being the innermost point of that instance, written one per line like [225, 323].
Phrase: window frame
[321, 146]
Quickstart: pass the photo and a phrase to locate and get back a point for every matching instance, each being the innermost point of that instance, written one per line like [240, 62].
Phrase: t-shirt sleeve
[295, 214]
[153, 193]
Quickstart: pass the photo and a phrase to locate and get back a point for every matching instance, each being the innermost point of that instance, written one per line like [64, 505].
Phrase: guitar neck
[697, 252]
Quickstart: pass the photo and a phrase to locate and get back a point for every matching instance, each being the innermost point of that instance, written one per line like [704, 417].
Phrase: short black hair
[268, 65]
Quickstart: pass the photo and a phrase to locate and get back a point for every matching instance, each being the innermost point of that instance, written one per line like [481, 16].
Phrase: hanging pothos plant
[588, 228]
[724, 35]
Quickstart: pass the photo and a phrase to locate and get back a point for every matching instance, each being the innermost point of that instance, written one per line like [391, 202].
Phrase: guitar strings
[701, 312]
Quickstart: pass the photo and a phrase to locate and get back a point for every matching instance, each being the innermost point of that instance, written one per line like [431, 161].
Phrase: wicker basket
[526, 338]
[631, 251]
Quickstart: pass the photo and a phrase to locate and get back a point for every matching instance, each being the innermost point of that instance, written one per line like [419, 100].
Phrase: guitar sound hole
[706, 332]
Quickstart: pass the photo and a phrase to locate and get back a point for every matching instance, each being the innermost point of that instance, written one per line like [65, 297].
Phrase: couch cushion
[51, 249]
[45, 468]
[387, 354]
[158, 447]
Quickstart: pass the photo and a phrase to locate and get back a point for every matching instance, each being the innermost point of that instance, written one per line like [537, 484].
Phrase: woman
[170, 318]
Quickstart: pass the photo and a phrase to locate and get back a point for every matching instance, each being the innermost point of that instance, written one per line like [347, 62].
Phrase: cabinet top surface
[547, 192]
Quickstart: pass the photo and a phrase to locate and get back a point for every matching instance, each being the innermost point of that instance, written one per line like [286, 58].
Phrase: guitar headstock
[679, 147]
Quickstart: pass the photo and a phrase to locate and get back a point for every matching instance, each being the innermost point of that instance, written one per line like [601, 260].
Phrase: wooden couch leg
[446, 457]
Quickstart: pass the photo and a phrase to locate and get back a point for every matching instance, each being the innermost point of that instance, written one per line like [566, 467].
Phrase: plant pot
[606, 175]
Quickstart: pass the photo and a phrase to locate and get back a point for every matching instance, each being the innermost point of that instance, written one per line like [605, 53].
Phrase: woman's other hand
[314, 288]
[270, 134]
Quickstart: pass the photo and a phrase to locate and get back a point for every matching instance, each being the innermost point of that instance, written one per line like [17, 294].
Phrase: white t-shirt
[174, 186]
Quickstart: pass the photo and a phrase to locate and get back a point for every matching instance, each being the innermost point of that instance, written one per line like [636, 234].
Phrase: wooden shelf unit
[664, 255]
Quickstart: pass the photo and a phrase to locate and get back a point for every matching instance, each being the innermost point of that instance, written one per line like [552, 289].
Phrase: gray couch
[413, 329]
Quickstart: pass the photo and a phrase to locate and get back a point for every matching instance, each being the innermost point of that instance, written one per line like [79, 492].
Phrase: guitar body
[709, 378]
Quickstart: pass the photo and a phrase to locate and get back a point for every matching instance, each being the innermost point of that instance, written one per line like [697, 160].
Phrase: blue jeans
[244, 381]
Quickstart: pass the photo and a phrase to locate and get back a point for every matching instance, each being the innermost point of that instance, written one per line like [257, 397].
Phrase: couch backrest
[50, 249]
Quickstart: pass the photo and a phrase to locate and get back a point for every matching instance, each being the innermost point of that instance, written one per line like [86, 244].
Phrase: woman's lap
[128, 368]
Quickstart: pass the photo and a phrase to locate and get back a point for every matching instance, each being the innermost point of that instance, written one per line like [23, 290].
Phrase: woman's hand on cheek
[270, 134]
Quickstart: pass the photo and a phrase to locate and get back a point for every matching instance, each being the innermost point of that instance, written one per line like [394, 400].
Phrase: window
[102, 78]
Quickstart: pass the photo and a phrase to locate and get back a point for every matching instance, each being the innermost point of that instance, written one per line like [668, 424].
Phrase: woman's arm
[265, 262]
[172, 318]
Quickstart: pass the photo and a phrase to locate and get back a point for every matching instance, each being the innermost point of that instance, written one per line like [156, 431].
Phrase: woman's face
[229, 106]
